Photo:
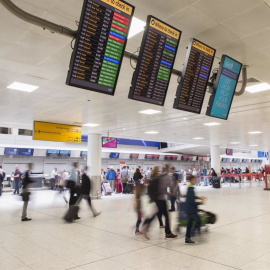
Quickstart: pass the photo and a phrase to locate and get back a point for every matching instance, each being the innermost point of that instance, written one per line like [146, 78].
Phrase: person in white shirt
[53, 178]
[148, 173]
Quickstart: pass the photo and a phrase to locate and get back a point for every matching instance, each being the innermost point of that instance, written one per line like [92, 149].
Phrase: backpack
[153, 189]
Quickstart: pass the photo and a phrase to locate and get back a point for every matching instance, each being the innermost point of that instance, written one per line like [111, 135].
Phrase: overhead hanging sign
[191, 90]
[151, 78]
[100, 45]
[224, 88]
[56, 132]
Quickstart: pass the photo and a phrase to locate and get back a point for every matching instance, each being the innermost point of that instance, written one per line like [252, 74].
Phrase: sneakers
[162, 226]
[76, 218]
[189, 241]
[137, 232]
[97, 214]
[172, 210]
[26, 219]
[170, 236]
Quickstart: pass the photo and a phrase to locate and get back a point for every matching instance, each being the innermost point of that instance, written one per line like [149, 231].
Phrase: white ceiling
[28, 54]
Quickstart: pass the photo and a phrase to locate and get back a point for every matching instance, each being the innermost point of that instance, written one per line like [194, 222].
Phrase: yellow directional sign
[57, 132]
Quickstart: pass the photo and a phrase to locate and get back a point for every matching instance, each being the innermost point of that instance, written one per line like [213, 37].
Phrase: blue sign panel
[12, 151]
[84, 138]
[225, 86]
[26, 152]
[138, 142]
[114, 155]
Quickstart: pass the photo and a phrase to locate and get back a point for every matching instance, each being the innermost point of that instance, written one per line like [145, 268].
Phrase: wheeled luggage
[216, 182]
[106, 188]
[129, 188]
[71, 213]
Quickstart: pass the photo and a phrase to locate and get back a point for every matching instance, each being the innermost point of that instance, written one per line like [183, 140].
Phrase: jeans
[191, 219]
[162, 210]
[205, 181]
[124, 187]
[52, 180]
[173, 199]
[17, 181]
[139, 220]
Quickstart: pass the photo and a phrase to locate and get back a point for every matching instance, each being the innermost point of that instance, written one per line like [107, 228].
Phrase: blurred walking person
[1, 180]
[174, 189]
[158, 193]
[26, 194]
[138, 206]
[85, 192]
[53, 178]
[124, 178]
[17, 178]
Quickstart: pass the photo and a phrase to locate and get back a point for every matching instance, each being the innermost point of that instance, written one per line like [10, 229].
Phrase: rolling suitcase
[107, 190]
[129, 189]
[216, 182]
[71, 213]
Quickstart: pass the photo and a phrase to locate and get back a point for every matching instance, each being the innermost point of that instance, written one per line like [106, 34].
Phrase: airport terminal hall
[134, 134]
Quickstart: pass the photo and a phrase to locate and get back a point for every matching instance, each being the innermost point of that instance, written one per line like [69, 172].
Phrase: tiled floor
[239, 240]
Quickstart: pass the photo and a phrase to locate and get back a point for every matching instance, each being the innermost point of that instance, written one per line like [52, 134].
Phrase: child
[139, 193]
[192, 210]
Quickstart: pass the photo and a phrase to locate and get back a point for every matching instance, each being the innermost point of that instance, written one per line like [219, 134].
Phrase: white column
[94, 164]
[215, 158]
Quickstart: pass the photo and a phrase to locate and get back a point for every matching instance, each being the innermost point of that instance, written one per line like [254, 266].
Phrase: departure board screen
[100, 45]
[191, 90]
[224, 87]
[151, 78]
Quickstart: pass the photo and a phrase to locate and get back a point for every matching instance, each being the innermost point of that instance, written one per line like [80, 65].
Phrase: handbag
[70, 184]
[124, 180]
[25, 196]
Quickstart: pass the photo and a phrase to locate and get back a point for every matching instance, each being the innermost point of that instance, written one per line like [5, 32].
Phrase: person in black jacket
[192, 210]
[137, 177]
[85, 192]
[25, 194]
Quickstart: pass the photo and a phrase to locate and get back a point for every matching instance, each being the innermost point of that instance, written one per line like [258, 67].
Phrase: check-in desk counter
[38, 180]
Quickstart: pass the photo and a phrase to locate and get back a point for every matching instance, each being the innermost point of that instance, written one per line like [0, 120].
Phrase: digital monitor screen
[198, 64]
[26, 152]
[244, 160]
[185, 158]
[12, 151]
[149, 156]
[224, 87]
[134, 156]
[100, 45]
[200, 158]
[229, 152]
[83, 153]
[156, 157]
[138, 142]
[114, 155]
[190, 158]
[109, 142]
[170, 157]
[158, 50]
[205, 158]
[65, 153]
[53, 153]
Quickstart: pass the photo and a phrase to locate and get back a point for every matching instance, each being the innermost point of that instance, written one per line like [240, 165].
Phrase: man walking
[17, 177]
[111, 176]
[204, 171]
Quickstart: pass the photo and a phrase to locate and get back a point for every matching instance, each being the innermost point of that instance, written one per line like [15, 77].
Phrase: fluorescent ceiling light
[253, 145]
[23, 87]
[198, 138]
[151, 132]
[255, 132]
[149, 111]
[258, 87]
[136, 27]
[212, 124]
[90, 125]
[235, 143]
[185, 118]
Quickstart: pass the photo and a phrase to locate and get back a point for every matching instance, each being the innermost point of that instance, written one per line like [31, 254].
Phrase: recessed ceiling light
[255, 132]
[90, 125]
[136, 27]
[235, 143]
[253, 145]
[185, 118]
[151, 132]
[149, 111]
[212, 124]
[258, 87]
[198, 138]
[123, 128]
[23, 87]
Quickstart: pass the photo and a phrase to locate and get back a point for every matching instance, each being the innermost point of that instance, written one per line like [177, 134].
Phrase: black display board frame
[77, 41]
[180, 85]
[139, 61]
[216, 84]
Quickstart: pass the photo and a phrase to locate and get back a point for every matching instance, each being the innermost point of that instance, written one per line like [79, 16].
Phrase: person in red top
[118, 184]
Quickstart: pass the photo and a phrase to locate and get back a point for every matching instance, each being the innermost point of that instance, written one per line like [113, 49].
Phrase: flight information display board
[224, 87]
[151, 78]
[100, 45]
[191, 90]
